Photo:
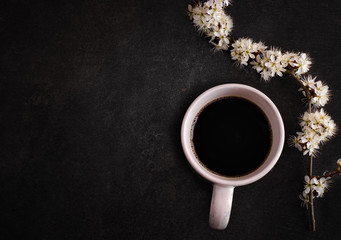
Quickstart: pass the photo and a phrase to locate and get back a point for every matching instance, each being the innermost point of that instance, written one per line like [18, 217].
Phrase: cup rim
[268, 164]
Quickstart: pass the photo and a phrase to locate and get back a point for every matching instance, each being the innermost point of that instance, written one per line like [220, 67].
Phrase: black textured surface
[92, 97]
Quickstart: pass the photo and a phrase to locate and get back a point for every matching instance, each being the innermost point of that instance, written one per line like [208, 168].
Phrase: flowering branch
[303, 87]
[317, 127]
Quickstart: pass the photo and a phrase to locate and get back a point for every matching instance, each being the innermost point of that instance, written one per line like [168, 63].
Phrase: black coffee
[232, 136]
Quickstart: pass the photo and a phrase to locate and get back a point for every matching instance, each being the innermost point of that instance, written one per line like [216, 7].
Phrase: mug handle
[221, 204]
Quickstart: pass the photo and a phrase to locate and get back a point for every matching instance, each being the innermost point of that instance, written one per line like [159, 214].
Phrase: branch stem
[311, 200]
[306, 90]
[331, 174]
[311, 196]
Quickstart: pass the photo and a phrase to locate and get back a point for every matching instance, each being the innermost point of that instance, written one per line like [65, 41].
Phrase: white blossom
[316, 186]
[322, 186]
[259, 66]
[220, 3]
[305, 198]
[303, 64]
[338, 162]
[269, 63]
[317, 128]
[310, 184]
[242, 50]
[290, 59]
[210, 19]
[319, 92]
[274, 62]
[266, 74]
[296, 141]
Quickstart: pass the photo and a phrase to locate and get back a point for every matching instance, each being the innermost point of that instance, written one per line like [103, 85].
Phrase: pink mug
[223, 186]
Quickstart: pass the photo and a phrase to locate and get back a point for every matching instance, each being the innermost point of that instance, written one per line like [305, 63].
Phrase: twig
[306, 90]
[311, 196]
[331, 174]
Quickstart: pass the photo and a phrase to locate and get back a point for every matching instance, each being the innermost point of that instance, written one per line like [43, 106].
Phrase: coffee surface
[232, 136]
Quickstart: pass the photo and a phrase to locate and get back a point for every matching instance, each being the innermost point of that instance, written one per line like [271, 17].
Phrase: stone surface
[92, 99]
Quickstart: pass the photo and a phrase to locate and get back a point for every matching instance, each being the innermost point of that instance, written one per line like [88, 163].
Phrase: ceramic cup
[223, 186]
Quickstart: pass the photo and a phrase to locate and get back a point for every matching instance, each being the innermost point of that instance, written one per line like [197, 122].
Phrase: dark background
[92, 96]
